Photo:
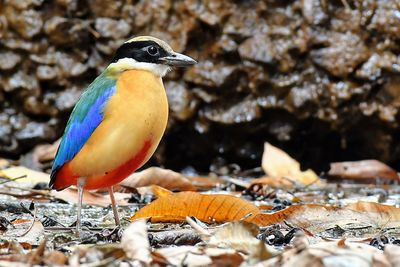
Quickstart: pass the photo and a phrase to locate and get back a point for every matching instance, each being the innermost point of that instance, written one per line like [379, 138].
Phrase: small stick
[197, 227]
[12, 179]
[31, 226]
[346, 5]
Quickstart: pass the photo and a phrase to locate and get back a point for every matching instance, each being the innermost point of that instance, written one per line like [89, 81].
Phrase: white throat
[131, 64]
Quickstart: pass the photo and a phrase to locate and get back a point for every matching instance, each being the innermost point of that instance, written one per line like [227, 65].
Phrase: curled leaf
[363, 170]
[240, 236]
[167, 179]
[277, 163]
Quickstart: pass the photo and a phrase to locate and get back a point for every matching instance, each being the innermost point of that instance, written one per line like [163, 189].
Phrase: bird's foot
[82, 229]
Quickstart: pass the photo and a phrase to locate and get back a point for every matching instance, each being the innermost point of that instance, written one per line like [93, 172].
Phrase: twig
[197, 227]
[236, 181]
[245, 217]
[55, 228]
[94, 32]
[8, 179]
[31, 226]
[346, 5]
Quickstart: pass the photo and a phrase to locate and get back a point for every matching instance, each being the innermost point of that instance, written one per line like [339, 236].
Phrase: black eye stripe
[139, 52]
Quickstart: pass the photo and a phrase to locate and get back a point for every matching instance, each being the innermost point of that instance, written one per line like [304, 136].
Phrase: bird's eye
[152, 50]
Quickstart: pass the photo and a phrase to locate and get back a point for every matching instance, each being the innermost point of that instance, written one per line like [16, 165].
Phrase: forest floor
[275, 215]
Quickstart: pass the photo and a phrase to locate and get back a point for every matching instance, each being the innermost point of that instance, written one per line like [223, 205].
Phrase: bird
[118, 121]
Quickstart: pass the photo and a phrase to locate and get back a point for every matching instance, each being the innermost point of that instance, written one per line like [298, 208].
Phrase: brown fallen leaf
[157, 176]
[36, 257]
[330, 254]
[277, 163]
[55, 258]
[205, 182]
[392, 253]
[378, 212]
[196, 256]
[182, 256]
[221, 257]
[207, 208]
[178, 237]
[363, 170]
[316, 218]
[70, 195]
[47, 152]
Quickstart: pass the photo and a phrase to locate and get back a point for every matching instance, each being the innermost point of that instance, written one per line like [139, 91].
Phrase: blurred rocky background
[319, 78]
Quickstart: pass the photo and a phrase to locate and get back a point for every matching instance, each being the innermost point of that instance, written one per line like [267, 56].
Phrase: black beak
[177, 60]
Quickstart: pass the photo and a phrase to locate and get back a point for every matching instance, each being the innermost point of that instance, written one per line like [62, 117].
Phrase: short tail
[61, 178]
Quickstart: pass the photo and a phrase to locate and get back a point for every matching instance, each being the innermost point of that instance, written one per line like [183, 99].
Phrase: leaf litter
[283, 216]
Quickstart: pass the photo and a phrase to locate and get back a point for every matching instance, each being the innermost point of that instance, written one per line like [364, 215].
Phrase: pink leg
[80, 185]
[114, 206]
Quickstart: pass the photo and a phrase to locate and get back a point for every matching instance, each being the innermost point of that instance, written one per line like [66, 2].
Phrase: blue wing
[85, 117]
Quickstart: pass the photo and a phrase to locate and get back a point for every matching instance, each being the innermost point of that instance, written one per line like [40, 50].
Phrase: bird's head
[148, 53]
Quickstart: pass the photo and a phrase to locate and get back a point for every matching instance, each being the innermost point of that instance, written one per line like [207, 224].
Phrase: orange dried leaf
[277, 217]
[155, 190]
[157, 176]
[208, 208]
[161, 191]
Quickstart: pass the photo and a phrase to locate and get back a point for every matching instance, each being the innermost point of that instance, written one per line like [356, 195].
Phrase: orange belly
[135, 119]
[66, 178]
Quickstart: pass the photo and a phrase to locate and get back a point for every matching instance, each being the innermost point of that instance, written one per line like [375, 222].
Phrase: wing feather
[85, 118]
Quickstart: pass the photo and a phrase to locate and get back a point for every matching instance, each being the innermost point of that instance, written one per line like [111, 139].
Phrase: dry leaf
[364, 170]
[240, 236]
[330, 254]
[31, 176]
[35, 233]
[4, 163]
[392, 253]
[184, 256]
[44, 153]
[155, 190]
[205, 182]
[135, 242]
[224, 257]
[157, 176]
[207, 208]
[277, 163]
[55, 258]
[70, 195]
[381, 214]
[316, 218]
